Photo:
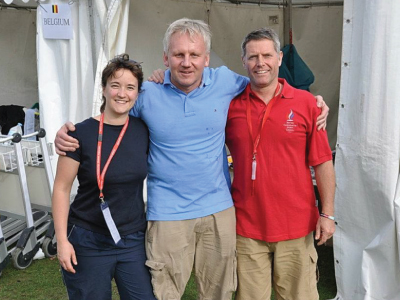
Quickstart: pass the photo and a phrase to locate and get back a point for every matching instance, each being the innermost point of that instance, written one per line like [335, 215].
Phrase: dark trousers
[97, 267]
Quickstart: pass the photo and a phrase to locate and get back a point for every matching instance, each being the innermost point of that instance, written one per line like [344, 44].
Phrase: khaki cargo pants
[291, 267]
[205, 245]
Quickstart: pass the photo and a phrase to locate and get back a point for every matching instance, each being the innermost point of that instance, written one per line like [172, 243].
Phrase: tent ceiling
[33, 3]
[20, 3]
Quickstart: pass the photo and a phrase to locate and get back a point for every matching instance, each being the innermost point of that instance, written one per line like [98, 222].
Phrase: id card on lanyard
[100, 177]
[256, 141]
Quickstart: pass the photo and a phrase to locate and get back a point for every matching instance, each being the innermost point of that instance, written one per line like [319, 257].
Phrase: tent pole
[93, 37]
[287, 23]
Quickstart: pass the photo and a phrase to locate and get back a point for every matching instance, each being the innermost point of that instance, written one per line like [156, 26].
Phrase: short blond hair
[193, 27]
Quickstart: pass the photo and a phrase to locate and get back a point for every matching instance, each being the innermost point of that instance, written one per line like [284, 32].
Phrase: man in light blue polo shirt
[187, 136]
[190, 209]
[192, 223]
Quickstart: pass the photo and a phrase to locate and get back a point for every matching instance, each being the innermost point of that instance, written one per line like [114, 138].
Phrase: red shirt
[282, 204]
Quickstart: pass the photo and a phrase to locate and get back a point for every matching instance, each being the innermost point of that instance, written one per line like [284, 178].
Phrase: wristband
[327, 216]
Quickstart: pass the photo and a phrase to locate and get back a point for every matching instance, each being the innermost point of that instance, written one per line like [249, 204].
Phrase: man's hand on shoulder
[63, 142]
[321, 120]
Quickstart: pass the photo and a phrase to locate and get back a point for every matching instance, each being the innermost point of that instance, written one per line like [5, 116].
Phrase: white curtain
[114, 30]
[367, 241]
[68, 69]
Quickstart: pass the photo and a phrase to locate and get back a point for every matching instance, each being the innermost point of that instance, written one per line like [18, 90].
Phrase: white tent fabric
[22, 2]
[114, 42]
[367, 241]
[67, 68]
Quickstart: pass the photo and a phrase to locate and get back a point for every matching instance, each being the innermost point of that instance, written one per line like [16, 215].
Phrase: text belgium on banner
[57, 21]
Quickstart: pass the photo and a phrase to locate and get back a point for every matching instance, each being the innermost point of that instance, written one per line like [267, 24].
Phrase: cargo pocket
[162, 286]
[314, 272]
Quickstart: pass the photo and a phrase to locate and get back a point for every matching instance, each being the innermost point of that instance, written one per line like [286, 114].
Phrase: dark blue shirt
[123, 184]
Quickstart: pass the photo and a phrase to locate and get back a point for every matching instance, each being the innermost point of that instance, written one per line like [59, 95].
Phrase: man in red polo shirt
[272, 136]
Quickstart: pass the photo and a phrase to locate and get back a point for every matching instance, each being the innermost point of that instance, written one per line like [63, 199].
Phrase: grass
[42, 280]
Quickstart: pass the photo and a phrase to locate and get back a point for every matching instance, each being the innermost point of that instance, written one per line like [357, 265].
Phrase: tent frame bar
[284, 3]
[265, 2]
[3, 5]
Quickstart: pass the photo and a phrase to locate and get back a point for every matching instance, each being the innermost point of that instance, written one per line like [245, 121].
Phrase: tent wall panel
[317, 35]
[18, 71]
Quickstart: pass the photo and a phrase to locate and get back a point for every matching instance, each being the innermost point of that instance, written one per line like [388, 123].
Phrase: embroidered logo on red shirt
[290, 124]
[290, 116]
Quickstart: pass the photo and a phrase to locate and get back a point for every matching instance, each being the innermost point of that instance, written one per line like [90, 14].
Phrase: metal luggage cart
[10, 232]
[7, 164]
[15, 205]
[4, 254]
[40, 180]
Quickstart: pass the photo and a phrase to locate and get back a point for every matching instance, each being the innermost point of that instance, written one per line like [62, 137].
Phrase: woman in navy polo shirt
[100, 236]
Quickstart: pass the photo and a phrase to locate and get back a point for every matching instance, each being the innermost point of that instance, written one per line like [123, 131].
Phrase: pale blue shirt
[187, 136]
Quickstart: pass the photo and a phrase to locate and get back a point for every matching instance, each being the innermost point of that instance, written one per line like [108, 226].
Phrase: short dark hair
[117, 63]
[262, 34]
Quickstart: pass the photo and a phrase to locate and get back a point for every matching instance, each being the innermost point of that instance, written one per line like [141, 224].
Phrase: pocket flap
[154, 265]
[314, 256]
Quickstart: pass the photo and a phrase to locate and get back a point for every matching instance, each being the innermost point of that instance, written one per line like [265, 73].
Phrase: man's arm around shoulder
[64, 142]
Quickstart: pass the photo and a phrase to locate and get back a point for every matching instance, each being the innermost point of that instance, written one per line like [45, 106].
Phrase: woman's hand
[66, 256]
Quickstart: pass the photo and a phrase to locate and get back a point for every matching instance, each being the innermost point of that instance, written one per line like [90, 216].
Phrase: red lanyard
[100, 177]
[250, 126]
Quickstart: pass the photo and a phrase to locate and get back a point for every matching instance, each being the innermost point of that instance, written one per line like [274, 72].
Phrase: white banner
[56, 21]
